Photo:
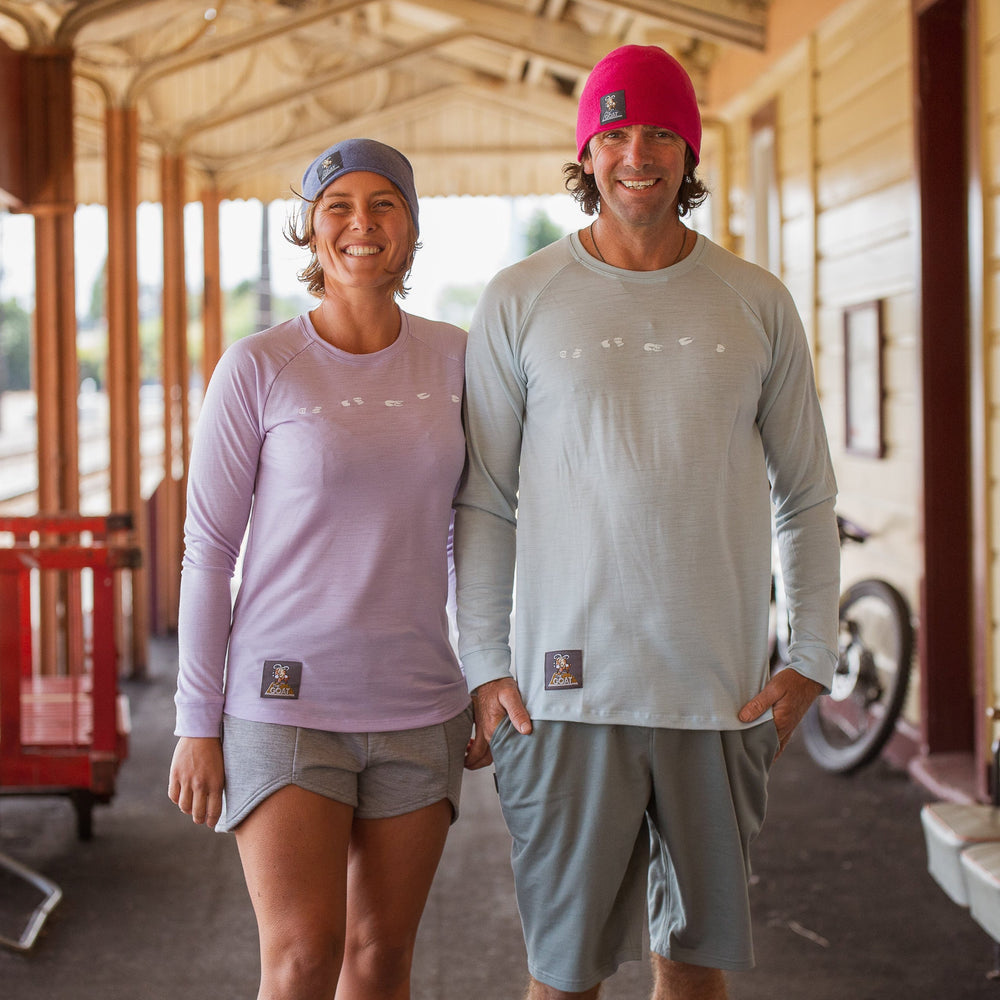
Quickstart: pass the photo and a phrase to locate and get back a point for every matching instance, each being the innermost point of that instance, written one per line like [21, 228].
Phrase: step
[981, 865]
[951, 828]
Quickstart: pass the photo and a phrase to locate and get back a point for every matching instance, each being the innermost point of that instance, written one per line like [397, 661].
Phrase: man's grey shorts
[379, 774]
[607, 818]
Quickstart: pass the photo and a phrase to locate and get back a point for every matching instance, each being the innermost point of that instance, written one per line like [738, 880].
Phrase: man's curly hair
[583, 187]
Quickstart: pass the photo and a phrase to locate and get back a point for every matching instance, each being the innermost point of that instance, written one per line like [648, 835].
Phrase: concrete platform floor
[155, 908]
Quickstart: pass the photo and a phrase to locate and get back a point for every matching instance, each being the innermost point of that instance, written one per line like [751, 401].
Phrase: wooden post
[123, 379]
[945, 636]
[12, 127]
[49, 180]
[212, 345]
[170, 517]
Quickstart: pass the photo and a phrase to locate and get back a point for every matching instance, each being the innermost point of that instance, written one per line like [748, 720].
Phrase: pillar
[123, 377]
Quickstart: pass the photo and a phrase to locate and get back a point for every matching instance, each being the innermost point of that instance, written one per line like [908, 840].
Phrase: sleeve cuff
[484, 665]
[814, 662]
[198, 720]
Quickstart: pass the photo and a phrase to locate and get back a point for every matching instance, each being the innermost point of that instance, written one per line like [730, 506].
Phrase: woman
[344, 714]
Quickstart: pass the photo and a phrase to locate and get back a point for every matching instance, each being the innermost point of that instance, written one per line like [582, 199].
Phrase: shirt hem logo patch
[281, 679]
[564, 669]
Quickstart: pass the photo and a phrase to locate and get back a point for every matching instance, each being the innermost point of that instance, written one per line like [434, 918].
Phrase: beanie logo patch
[329, 165]
[613, 107]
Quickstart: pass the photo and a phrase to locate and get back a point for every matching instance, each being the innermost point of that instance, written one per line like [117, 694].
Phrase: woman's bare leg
[294, 849]
[391, 867]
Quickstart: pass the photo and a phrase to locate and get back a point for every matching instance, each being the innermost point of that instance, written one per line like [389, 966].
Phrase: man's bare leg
[539, 991]
[680, 981]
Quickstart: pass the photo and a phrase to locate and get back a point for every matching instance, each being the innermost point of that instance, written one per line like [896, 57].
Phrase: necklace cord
[593, 239]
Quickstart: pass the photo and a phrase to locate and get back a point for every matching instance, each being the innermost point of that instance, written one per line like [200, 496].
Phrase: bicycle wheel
[848, 728]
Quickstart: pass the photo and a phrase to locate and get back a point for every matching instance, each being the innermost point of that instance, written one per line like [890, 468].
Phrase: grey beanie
[360, 155]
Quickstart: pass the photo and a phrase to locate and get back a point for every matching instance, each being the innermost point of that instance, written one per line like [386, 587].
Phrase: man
[637, 399]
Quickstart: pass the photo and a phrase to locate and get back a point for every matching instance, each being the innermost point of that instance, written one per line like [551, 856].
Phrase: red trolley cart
[64, 724]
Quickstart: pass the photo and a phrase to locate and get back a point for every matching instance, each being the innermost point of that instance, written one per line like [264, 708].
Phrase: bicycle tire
[848, 728]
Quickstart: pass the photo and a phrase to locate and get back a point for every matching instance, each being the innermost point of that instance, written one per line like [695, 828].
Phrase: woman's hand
[197, 778]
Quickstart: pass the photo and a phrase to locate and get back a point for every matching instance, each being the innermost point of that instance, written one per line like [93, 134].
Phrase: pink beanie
[638, 85]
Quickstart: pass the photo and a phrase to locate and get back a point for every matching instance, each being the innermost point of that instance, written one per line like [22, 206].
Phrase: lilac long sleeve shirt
[345, 467]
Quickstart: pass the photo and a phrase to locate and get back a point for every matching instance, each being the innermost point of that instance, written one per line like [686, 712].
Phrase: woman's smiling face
[362, 231]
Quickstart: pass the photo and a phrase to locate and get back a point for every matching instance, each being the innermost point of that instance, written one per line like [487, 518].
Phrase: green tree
[15, 346]
[151, 349]
[98, 294]
[455, 303]
[239, 312]
[540, 232]
[92, 362]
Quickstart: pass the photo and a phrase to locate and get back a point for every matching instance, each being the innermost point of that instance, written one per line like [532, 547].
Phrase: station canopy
[480, 95]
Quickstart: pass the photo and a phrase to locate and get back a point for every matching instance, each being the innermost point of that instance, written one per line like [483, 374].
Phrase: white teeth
[635, 185]
[361, 251]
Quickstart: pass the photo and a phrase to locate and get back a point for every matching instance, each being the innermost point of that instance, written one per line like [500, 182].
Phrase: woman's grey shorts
[379, 774]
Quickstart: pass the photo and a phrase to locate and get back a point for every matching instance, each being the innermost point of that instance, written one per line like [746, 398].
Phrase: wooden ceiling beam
[559, 113]
[734, 22]
[89, 12]
[566, 44]
[237, 41]
[298, 92]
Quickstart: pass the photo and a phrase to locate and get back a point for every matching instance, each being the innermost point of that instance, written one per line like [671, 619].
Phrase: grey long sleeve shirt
[631, 435]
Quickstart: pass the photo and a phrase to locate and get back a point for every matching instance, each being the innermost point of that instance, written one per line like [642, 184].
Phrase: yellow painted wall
[788, 22]
[846, 183]
[866, 249]
[845, 152]
[845, 147]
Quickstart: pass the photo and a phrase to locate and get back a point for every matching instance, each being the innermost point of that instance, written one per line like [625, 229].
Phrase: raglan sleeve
[486, 505]
[223, 469]
[803, 493]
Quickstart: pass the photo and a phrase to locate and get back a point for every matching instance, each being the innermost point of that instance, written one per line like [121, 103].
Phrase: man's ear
[586, 162]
